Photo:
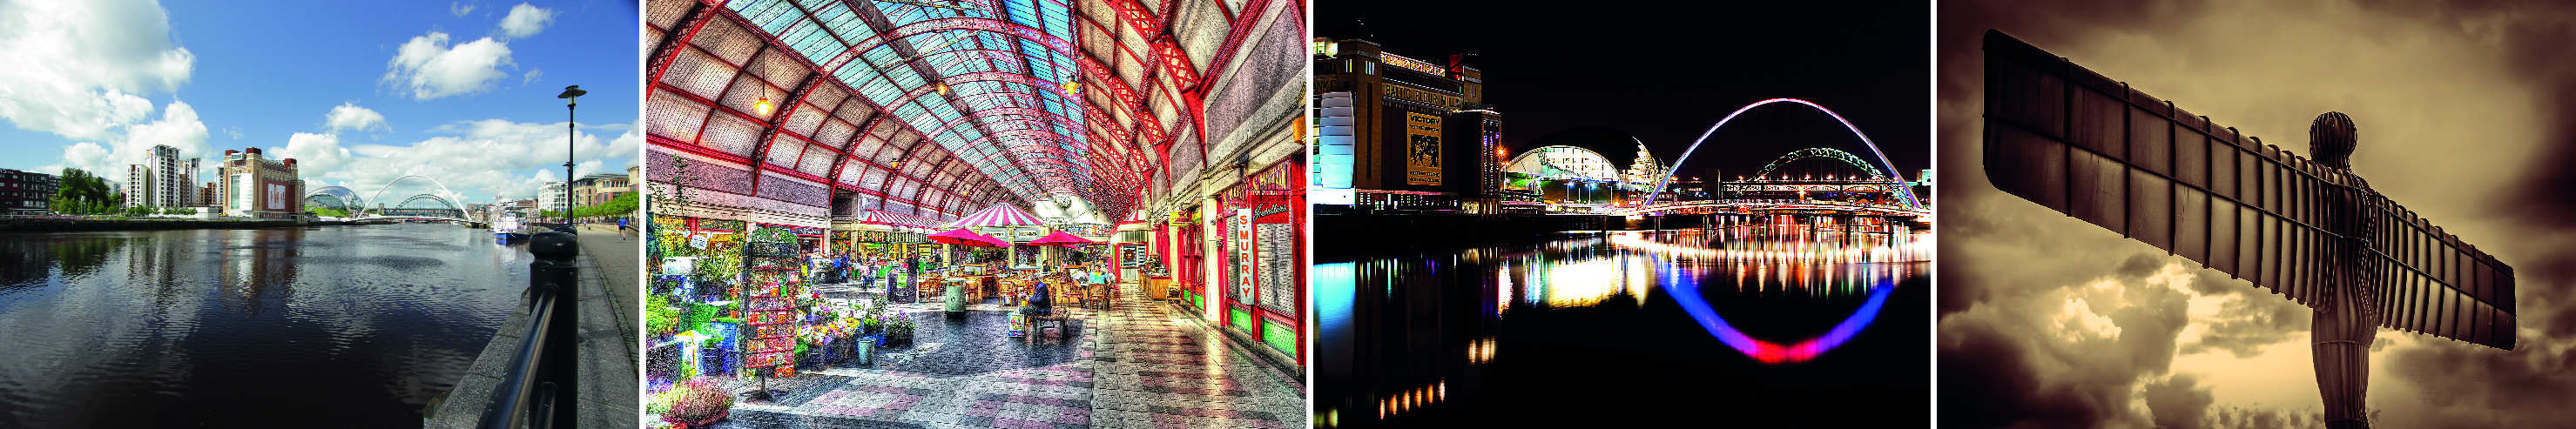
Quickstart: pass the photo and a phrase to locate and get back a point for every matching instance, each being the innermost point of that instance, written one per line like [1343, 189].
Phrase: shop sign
[773, 235]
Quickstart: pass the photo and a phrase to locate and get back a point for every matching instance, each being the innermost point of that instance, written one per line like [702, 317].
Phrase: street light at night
[572, 96]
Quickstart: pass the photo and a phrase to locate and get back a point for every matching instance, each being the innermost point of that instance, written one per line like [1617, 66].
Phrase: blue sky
[361, 93]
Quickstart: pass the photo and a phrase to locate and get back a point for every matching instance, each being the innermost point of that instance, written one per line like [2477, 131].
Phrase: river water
[343, 326]
[1761, 325]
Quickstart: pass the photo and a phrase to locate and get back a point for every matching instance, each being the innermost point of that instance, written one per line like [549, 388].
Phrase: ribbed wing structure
[2095, 149]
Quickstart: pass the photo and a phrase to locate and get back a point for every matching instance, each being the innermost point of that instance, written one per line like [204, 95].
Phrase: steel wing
[2070, 139]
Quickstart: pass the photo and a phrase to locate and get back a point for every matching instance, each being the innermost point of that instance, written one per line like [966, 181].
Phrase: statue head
[2330, 139]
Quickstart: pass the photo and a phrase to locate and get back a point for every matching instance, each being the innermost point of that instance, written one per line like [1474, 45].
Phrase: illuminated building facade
[1397, 133]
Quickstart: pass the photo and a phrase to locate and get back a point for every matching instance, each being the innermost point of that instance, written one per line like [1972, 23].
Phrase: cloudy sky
[2466, 112]
[360, 93]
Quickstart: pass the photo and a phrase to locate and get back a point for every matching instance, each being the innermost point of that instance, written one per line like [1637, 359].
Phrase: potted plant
[899, 331]
[700, 404]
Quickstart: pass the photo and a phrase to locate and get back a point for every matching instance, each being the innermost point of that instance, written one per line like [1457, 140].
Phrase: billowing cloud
[79, 69]
[313, 153]
[2176, 403]
[348, 116]
[178, 128]
[428, 68]
[465, 160]
[525, 20]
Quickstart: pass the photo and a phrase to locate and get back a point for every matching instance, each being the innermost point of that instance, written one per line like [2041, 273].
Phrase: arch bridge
[1887, 180]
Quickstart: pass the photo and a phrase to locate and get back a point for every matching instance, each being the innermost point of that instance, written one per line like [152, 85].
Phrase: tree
[81, 193]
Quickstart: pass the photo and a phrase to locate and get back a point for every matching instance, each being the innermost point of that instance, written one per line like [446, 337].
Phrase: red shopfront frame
[1272, 311]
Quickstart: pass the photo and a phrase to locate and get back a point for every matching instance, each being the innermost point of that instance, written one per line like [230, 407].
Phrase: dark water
[290, 327]
[1750, 326]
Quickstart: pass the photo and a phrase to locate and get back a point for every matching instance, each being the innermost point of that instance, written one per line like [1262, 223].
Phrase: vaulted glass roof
[984, 80]
[936, 108]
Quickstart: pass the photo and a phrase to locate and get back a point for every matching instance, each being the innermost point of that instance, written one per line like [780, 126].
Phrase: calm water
[1760, 325]
[304, 327]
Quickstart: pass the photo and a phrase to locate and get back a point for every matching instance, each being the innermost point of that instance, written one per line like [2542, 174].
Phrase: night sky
[1665, 72]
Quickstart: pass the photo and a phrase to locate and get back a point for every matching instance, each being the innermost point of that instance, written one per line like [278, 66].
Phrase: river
[340, 326]
[1763, 324]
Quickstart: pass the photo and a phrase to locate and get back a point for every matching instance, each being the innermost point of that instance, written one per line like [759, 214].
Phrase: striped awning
[884, 218]
[1003, 214]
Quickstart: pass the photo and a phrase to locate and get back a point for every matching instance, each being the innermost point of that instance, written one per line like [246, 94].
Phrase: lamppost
[572, 96]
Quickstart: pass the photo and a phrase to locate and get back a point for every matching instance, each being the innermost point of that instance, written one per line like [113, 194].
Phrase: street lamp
[572, 96]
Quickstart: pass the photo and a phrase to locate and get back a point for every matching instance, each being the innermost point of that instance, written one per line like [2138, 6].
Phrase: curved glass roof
[940, 107]
[1002, 65]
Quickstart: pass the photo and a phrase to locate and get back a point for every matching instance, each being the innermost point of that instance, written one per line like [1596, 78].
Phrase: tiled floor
[1140, 365]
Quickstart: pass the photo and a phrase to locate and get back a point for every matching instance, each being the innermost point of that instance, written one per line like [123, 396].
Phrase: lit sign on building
[1417, 65]
[1421, 149]
[1416, 95]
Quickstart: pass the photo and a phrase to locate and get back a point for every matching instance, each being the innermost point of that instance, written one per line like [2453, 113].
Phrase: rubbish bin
[956, 298]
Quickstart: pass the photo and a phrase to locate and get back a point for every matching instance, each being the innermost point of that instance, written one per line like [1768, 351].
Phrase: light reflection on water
[355, 326]
[1408, 334]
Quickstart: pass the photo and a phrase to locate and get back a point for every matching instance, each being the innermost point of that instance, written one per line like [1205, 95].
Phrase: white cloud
[483, 158]
[313, 153]
[348, 116]
[459, 9]
[177, 128]
[428, 68]
[78, 69]
[83, 155]
[235, 132]
[531, 77]
[525, 20]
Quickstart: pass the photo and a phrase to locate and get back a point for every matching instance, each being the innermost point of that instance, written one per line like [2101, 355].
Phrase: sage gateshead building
[1397, 133]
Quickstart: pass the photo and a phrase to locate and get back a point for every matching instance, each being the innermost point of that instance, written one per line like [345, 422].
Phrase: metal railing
[538, 390]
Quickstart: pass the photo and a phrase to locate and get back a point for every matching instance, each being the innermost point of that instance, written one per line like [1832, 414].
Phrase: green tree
[80, 192]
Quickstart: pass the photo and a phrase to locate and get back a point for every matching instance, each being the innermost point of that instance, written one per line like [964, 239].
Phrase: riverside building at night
[1397, 133]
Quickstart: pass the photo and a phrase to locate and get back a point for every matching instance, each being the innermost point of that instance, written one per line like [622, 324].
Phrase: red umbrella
[966, 237]
[1059, 238]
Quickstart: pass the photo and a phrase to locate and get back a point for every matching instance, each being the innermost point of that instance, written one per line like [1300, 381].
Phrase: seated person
[1040, 304]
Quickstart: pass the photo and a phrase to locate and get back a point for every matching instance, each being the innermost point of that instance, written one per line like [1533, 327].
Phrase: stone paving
[1141, 365]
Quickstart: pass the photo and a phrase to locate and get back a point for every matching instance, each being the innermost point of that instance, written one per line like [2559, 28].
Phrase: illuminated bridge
[1806, 181]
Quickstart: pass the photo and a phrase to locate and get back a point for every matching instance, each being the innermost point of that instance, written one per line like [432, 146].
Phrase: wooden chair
[1064, 293]
[928, 289]
[1095, 294]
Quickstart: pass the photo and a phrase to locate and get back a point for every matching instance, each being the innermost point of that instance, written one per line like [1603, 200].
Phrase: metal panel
[2222, 168]
[2027, 165]
[2224, 252]
[2019, 93]
[2150, 140]
[2151, 209]
[2191, 224]
[2094, 190]
[2096, 121]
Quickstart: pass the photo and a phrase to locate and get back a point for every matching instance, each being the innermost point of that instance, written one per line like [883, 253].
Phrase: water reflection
[357, 326]
[1606, 317]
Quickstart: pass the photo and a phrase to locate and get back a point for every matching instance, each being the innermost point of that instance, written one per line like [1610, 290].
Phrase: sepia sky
[2466, 113]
